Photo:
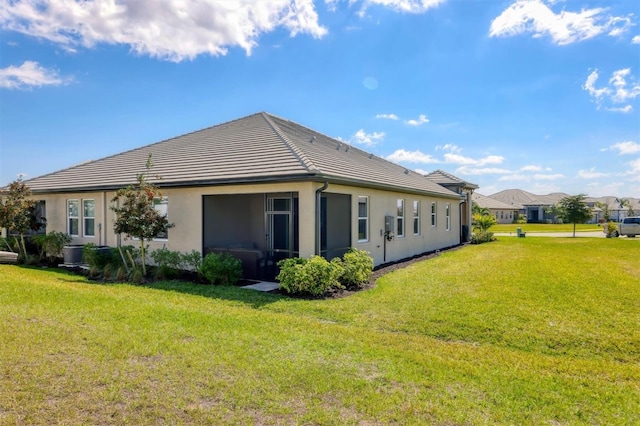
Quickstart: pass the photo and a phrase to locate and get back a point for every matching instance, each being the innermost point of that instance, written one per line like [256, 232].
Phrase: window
[72, 218]
[433, 214]
[363, 219]
[400, 219]
[448, 216]
[416, 218]
[88, 217]
[162, 206]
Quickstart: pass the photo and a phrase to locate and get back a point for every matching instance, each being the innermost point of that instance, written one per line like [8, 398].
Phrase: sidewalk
[589, 234]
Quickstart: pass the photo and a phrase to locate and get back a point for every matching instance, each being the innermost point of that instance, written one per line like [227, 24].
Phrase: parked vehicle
[629, 226]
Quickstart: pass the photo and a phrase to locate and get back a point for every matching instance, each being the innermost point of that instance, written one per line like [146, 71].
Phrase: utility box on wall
[389, 224]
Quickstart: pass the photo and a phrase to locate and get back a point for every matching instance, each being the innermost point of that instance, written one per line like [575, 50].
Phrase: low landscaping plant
[168, 263]
[357, 268]
[482, 237]
[221, 268]
[50, 245]
[314, 276]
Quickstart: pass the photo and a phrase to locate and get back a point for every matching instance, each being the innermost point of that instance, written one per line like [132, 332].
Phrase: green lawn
[520, 331]
[544, 227]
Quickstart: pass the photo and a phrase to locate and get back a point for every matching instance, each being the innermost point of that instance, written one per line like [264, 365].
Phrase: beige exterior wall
[185, 212]
[384, 203]
[503, 216]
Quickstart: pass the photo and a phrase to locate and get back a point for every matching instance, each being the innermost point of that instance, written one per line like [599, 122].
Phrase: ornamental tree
[574, 209]
[136, 215]
[17, 212]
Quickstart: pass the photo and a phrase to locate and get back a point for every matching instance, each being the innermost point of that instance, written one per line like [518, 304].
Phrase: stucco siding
[185, 211]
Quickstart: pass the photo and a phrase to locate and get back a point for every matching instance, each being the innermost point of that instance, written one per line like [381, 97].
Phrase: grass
[544, 227]
[520, 331]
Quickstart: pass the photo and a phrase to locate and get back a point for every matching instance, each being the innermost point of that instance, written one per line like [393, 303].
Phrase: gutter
[318, 216]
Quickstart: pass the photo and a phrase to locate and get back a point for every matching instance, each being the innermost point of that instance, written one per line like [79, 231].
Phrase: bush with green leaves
[191, 261]
[315, 276]
[50, 245]
[482, 237]
[221, 268]
[168, 263]
[358, 268]
[99, 257]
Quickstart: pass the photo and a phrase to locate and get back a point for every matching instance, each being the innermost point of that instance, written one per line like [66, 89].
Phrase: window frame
[434, 214]
[416, 217]
[85, 217]
[447, 216]
[400, 214]
[76, 217]
[363, 219]
[163, 200]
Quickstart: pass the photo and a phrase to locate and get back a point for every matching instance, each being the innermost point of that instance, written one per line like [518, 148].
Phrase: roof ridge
[304, 160]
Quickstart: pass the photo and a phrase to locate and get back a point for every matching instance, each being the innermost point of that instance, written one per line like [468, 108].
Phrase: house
[618, 210]
[504, 213]
[263, 188]
[462, 187]
[534, 207]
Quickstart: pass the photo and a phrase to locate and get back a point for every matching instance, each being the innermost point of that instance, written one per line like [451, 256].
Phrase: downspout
[318, 216]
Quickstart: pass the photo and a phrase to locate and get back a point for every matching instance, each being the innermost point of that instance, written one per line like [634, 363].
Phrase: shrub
[192, 261]
[50, 245]
[315, 276]
[168, 263]
[358, 268]
[521, 219]
[99, 257]
[221, 268]
[482, 237]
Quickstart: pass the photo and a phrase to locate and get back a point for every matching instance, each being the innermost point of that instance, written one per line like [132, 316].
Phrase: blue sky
[537, 95]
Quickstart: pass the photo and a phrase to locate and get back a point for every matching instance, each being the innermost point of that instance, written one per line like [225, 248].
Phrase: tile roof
[518, 198]
[444, 178]
[490, 203]
[257, 148]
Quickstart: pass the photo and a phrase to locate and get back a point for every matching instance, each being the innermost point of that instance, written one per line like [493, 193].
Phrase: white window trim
[365, 218]
[84, 218]
[448, 216]
[164, 198]
[434, 214]
[400, 226]
[416, 217]
[69, 217]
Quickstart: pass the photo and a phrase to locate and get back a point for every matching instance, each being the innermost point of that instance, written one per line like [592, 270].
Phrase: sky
[538, 95]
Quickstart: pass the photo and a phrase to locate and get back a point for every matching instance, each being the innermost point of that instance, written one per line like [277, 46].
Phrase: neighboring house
[534, 207]
[465, 189]
[263, 188]
[616, 211]
[503, 212]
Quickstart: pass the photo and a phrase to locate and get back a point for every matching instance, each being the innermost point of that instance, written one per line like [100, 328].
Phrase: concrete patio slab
[262, 286]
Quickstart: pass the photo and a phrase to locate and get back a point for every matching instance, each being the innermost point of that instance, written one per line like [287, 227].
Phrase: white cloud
[466, 170]
[627, 147]
[30, 74]
[387, 116]
[636, 39]
[621, 88]
[625, 109]
[368, 139]
[460, 159]
[555, 176]
[401, 155]
[634, 170]
[406, 6]
[448, 147]
[535, 17]
[531, 168]
[513, 177]
[422, 119]
[590, 174]
[173, 31]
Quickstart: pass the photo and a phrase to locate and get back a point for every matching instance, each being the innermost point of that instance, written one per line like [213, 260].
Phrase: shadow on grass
[253, 298]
